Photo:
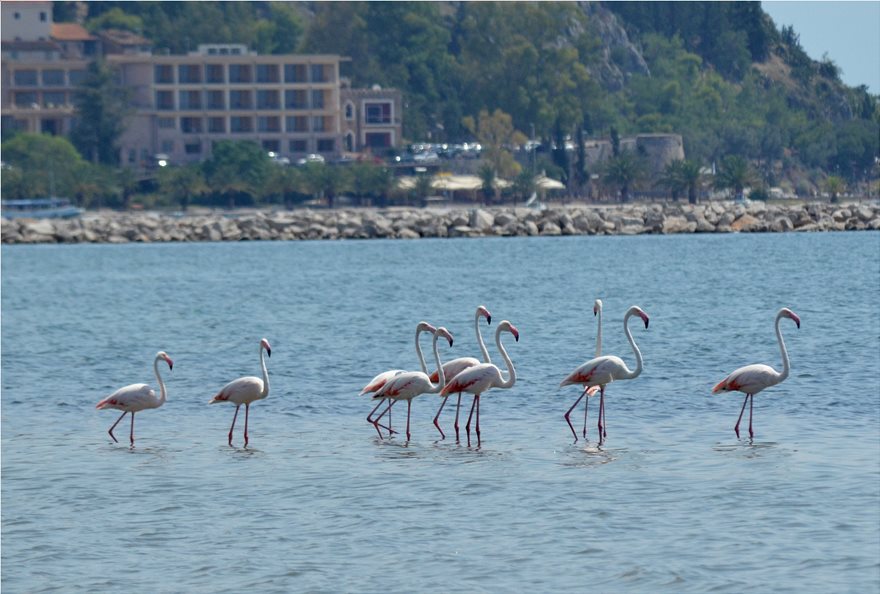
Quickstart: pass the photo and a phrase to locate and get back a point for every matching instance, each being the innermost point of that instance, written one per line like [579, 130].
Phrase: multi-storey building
[182, 105]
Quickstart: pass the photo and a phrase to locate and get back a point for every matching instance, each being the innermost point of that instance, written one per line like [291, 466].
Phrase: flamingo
[751, 379]
[608, 368]
[479, 378]
[380, 380]
[410, 384]
[137, 397]
[245, 390]
[589, 391]
[456, 366]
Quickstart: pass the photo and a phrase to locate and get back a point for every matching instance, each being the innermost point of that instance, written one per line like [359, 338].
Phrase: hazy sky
[848, 31]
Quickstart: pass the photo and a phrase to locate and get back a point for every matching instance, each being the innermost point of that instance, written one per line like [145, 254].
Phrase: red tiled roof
[70, 32]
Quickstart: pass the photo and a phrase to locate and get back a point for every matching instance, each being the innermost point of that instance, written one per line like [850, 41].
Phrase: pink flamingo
[245, 390]
[751, 379]
[589, 391]
[410, 384]
[380, 380]
[608, 368]
[137, 397]
[479, 378]
[456, 366]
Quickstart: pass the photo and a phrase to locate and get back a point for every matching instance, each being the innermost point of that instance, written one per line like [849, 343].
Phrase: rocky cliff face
[620, 57]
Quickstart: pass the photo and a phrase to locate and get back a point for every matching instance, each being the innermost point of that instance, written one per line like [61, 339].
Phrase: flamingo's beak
[269, 351]
[489, 319]
[170, 362]
[645, 317]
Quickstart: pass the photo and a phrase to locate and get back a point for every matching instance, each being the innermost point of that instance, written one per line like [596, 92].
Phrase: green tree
[496, 133]
[672, 179]
[487, 177]
[182, 183]
[47, 165]
[524, 185]
[116, 18]
[236, 169]
[423, 188]
[623, 171]
[736, 174]
[101, 106]
[835, 186]
[324, 181]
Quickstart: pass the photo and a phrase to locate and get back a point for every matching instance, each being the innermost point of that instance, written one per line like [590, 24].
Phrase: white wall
[28, 26]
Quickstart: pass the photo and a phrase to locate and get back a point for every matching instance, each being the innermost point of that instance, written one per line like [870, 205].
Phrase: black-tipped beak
[269, 352]
[646, 323]
[798, 322]
[450, 342]
[170, 365]
[489, 320]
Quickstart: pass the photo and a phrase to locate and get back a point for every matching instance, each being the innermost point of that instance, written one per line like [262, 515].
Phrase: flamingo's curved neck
[441, 377]
[265, 391]
[483, 348]
[599, 334]
[634, 373]
[511, 371]
[785, 364]
[162, 393]
[424, 365]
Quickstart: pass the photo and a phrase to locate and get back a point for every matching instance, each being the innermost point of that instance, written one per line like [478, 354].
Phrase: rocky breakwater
[412, 223]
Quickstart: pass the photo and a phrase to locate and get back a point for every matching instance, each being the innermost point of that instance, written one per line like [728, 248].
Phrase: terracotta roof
[70, 32]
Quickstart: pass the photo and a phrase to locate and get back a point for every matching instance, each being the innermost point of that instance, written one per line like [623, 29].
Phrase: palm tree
[487, 176]
[735, 173]
[692, 176]
[524, 185]
[422, 189]
[672, 179]
[834, 185]
[623, 171]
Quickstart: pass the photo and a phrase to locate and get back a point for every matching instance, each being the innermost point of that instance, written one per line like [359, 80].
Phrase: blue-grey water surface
[672, 502]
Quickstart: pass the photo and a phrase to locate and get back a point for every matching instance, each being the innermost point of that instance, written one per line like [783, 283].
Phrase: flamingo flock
[463, 375]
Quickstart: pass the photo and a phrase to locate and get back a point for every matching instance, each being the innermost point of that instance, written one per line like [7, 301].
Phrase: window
[299, 146]
[190, 99]
[272, 145]
[241, 124]
[317, 72]
[168, 146]
[294, 73]
[163, 73]
[269, 124]
[166, 124]
[377, 140]
[295, 99]
[17, 16]
[378, 113]
[268, 100]
[317, 99]
[25, 99]
[53, 78]
[76, 77]
[267, 73]
[189, 73]
[349, 111]
[240, 100]
[318, 124]
[297, 124]
[26, 78]
[54, 99]
[217, 125]
[214, 74]
[326, 145]
[42, 17]
[240, 73]
[193, 147]
[191, 125]
[165, 100]
[215, 99]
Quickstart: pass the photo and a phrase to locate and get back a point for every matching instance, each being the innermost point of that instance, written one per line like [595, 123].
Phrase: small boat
[39, 208]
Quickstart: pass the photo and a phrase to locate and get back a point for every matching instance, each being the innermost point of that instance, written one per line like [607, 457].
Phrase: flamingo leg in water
[751, 408]
[131, 435]
[568, 419]
[370, 417]
[586, 410]
[247, 408]
[408, 408]
[478, 420]
[468, 424]
[741, 411]
[457, 407]
[387, 410]
[233, 423]
[437, 417]
[114, 426]
[601, 414]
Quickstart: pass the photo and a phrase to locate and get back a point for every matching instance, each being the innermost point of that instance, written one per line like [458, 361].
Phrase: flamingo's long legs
[568, 419]
[114, 426]
[408, 408]
[437, 417]
[457, 407]
[131, 435]
[742, 410]
[247, 408]
[231, 427]
[468, 424]
[751, 408]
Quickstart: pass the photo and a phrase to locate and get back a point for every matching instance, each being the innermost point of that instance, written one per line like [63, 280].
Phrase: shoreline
[447, 221]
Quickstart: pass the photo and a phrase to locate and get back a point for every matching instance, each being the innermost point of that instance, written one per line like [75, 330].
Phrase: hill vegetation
[718, 73]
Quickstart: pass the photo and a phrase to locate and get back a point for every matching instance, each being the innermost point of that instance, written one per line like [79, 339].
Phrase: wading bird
[588, 390]
[608, 368]
[137, 397]
[410, 384]
[479, 378]
[456, 366]
[751, 379]
[245, 390]
[380, 380]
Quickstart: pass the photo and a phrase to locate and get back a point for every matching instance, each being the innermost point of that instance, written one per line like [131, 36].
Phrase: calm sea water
[672, 502]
